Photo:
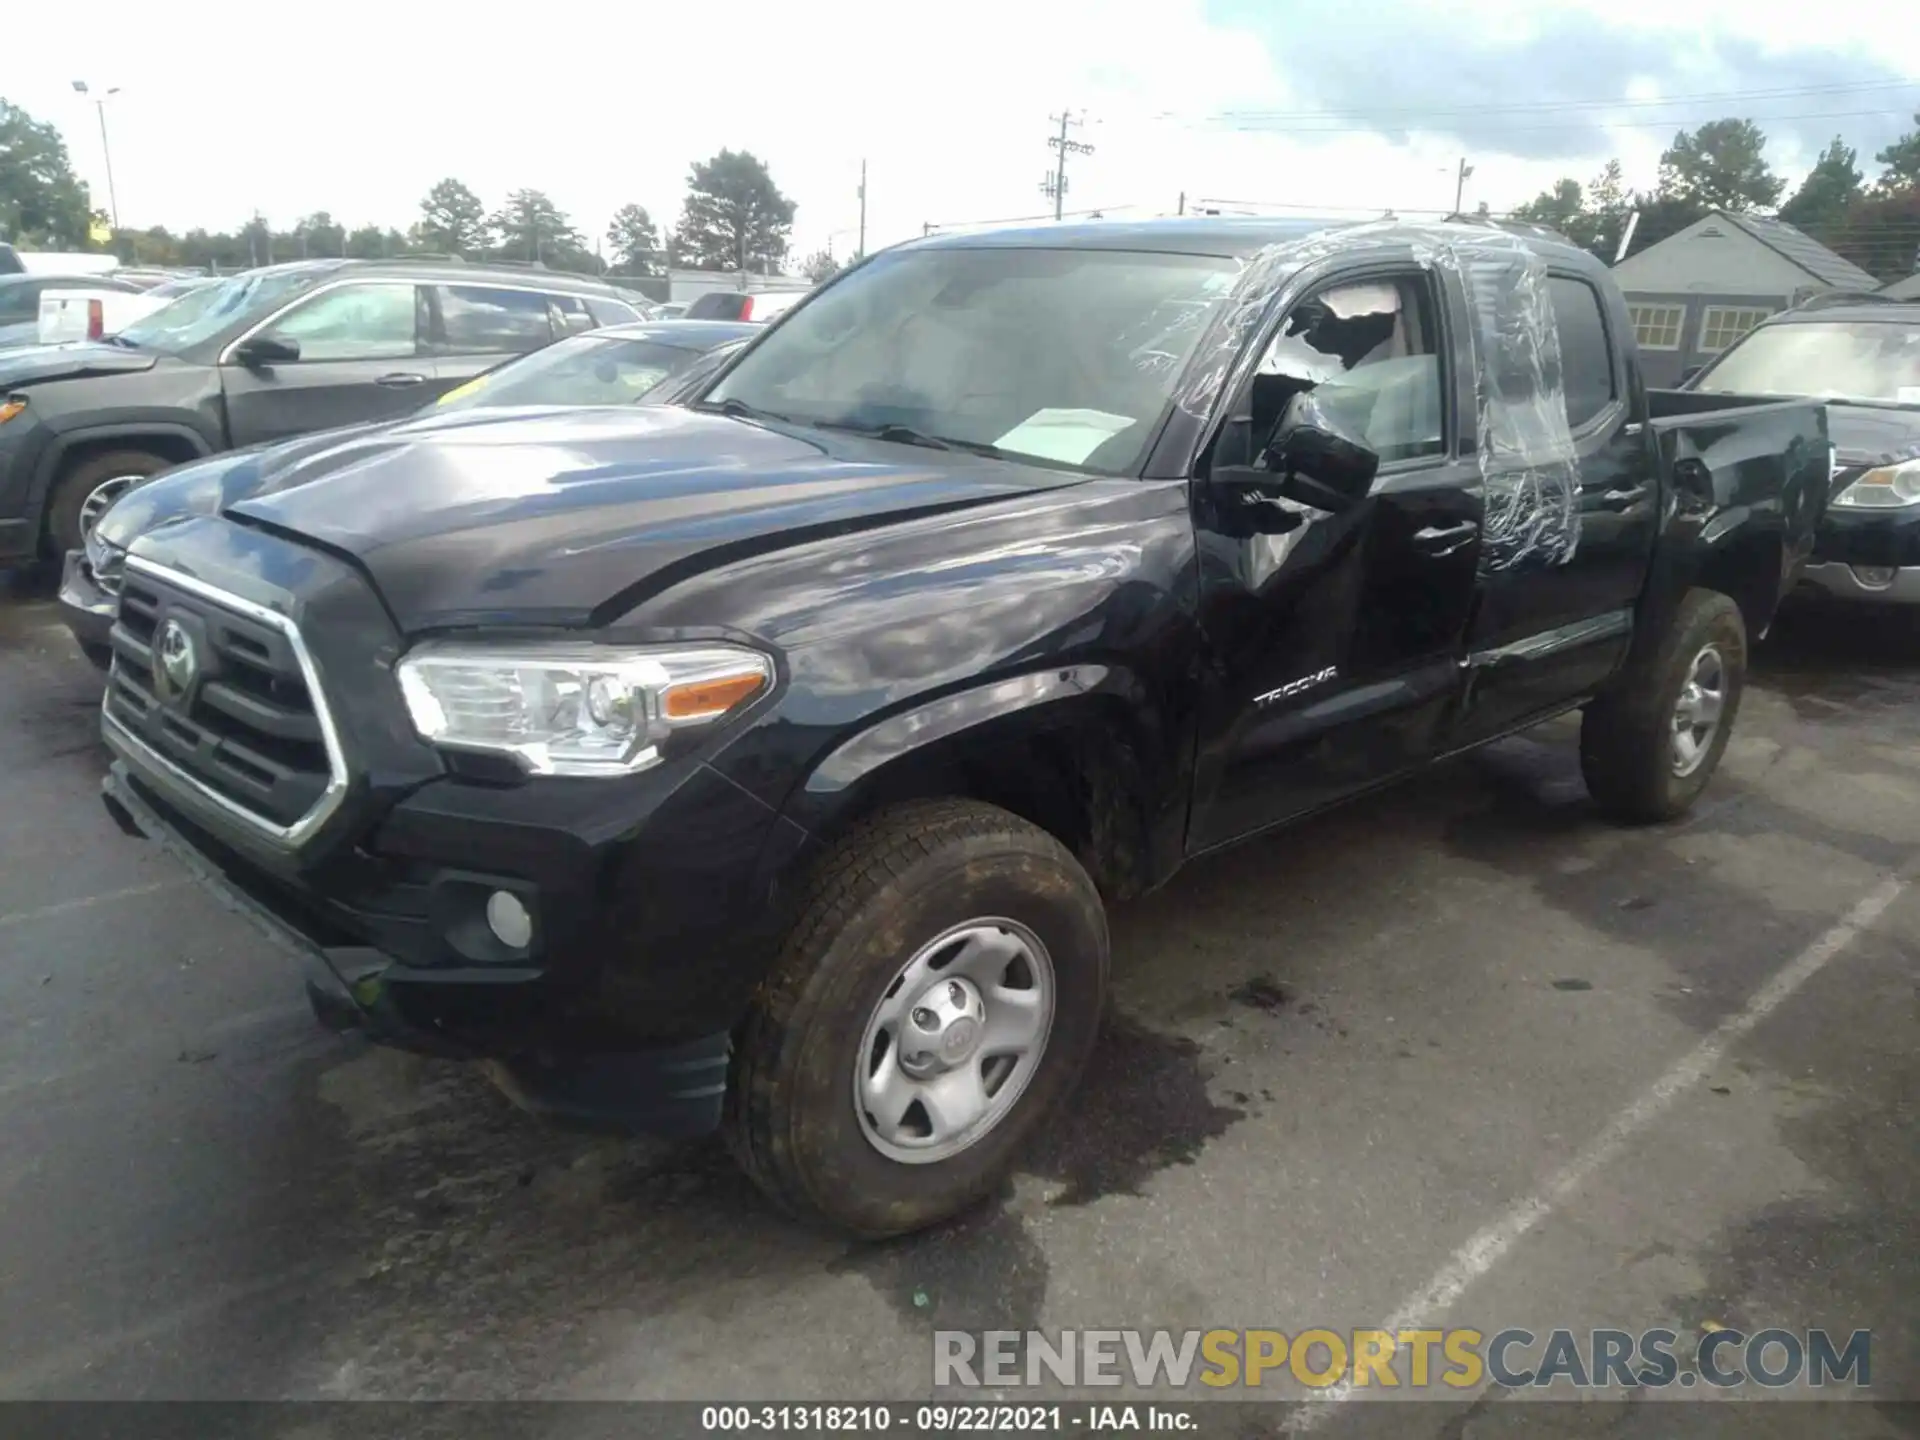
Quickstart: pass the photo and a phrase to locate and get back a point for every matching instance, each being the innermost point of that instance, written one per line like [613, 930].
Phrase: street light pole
[106, 150]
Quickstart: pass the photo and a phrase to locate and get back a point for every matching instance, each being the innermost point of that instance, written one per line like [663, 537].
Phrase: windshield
[1872, 360]
[1065, 356]
[585, 370]
[201, 314]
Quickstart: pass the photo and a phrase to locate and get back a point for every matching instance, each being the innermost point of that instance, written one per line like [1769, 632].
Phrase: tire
[898, 883]
[1631, 752]
[70, 495]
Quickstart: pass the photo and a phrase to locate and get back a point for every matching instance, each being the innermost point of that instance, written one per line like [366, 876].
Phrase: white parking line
[1490, 1245]
[87, 902]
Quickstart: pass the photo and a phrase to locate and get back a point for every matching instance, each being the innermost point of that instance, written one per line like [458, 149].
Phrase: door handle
[1443, 538]
[400, 380]
[1624, 499]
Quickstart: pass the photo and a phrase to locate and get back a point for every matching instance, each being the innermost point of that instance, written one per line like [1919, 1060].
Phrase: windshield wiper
[740, 410]
[907, 435]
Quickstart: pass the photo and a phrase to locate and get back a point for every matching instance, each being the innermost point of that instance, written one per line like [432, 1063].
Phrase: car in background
[92, 309]
[758, 306]
[264, 355]
[21, 296]
[1861, 354]
[54, 262]
[650, 363]
[671, 310]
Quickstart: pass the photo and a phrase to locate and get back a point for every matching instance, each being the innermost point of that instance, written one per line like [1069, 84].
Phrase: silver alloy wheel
[102, 496]
[1696, 718]
[954, 1041]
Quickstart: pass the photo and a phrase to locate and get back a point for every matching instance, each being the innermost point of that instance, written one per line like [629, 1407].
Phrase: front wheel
[936, 1000]
[1648, 747]
[86, 492]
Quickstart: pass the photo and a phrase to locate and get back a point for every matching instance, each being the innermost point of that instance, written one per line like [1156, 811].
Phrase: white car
[87, 311]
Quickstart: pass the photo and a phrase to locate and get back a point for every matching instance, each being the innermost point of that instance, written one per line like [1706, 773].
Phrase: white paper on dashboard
[1065, 435]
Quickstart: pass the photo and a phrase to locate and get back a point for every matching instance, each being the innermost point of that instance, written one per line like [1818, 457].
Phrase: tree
[1881, 233]
[319, 234]
[531, 227]
[820, 266]
[41, 200]
[452, 220]
[1558, 209]
[1902, 161]
[735, 217]
[370, 242]
[1720, 166]
[635, 241]
[1827, 194]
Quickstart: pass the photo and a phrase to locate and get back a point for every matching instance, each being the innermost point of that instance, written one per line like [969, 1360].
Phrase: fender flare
[1012, 707]
[64, 442]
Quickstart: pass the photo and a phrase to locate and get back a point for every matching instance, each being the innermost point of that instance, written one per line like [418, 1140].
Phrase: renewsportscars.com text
[1450, 1360]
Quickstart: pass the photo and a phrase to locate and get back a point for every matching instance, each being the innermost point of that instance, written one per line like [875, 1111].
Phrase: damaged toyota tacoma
[767, 763]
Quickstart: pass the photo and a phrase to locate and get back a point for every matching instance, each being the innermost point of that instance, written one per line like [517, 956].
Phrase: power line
[1054, 187]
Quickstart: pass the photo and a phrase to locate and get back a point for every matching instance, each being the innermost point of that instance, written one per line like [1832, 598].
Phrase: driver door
[1337, 635]
[361, 357]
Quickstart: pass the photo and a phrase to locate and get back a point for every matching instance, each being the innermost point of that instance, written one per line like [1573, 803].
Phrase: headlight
[1884, 488]
[575, 709]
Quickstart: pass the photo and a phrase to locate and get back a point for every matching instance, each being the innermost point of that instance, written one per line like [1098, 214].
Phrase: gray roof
[1907, 289]
[1803, 250]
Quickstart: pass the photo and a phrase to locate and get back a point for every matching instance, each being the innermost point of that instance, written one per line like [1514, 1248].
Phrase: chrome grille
[250, 731]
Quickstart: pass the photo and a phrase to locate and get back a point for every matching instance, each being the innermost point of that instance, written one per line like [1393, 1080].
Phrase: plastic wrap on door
[1528, 465]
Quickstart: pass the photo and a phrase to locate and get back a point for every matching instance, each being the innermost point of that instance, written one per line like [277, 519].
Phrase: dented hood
[37, 363]
[554, 517]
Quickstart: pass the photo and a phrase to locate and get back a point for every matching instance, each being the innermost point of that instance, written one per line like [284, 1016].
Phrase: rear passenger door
[361, 357]
[479, 326]
[1546, 633]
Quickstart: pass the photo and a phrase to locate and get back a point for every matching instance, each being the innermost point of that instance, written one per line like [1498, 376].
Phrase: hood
[1873, 434]
[208, 487]
[563, 516]
[34, 363]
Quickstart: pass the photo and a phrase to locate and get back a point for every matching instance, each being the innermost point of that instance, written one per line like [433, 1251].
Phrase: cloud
[1559, 82]
[361, 111]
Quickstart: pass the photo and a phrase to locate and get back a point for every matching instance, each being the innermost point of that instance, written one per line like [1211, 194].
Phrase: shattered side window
[1368, 353]
[1519, 434]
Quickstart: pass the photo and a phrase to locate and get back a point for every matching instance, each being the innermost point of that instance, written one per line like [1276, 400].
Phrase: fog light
[1874, 577]
[509, 919]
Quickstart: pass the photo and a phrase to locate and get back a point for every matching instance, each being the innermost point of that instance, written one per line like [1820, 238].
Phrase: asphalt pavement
[1461, 1054]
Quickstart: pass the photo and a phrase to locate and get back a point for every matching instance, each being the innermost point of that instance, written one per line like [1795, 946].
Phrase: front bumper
[1850, 582]
[85, 607]
[672, 1089]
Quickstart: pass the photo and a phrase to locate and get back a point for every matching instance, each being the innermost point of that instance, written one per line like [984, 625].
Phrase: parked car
[1860, 354]
[764, 762]
[21, 301]
[97, 309]
[759, 306]
[652, 363]
[54, 262]
[259, 356]
[671, 309]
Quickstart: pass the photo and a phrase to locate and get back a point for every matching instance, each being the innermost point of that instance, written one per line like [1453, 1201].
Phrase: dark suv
[260, 356]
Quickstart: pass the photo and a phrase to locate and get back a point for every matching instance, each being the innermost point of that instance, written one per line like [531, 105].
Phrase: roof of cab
[1234, 237]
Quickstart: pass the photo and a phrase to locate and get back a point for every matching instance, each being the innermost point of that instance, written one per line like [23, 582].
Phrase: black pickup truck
[767, 762]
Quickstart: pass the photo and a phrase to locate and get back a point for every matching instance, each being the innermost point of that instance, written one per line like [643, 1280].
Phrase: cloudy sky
[1325, 105]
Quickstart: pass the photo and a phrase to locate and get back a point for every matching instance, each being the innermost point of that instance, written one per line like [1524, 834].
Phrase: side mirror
[1690, 374]
[267, 350]
[1319, 462]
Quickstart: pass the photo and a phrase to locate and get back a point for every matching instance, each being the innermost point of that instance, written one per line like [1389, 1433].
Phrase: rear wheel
[937, 999]
[1649, 747]
[86, 490]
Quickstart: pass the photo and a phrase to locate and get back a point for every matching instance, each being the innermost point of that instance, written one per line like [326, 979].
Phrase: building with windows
[1696, 292]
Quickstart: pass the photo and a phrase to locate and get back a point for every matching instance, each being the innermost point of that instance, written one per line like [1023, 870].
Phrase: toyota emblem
[179, 660]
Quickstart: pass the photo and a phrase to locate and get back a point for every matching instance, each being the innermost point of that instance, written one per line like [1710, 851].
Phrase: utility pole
[1055, 185]
[106, 151]
[861, 253]
[1460, 183]
[1183, 202]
